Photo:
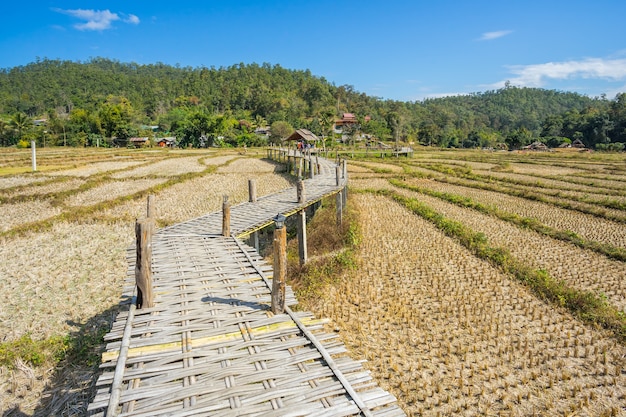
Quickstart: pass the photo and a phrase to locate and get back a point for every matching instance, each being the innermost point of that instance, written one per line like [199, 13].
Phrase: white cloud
[488, 36]
[592, 68]
[131, 18]
[97, 19]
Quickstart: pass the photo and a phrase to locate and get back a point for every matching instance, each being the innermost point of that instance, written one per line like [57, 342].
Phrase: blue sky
[395, 49]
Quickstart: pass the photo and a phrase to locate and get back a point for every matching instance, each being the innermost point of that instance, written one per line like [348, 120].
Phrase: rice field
[446, 332]
[449, 334]
[63, 246]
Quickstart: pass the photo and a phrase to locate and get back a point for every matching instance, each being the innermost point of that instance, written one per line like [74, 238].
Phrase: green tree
[518, 138]
[6, 136]
[393, 121]
[116, 114]
[21, 124]
[279, 131]
[197, 125]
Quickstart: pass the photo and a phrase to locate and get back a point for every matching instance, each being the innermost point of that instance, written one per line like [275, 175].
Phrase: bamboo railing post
[280, 270]
[302, 244]
[338, 203]
[311, 168]
[33, 151]
[252, 190]
[150, 208]
[144, 230]
[300, 191]
[254, 237]
[225, 217]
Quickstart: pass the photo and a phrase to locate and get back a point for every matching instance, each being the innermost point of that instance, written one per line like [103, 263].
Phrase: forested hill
[83, 96]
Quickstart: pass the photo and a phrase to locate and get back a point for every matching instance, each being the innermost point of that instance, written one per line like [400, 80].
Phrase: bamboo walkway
[212, 347]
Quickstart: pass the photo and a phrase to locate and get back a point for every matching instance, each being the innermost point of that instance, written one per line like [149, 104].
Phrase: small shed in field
[578, 144]
[303, 135]
[139, 141]
[168, 142]
[536, 146]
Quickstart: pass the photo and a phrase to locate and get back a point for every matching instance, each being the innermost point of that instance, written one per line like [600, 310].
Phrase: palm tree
[20, 123]
[5, 135]
[326, 120]
[259, 121]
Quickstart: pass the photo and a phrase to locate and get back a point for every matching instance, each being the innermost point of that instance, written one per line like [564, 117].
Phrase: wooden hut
[304, 136]
[536, 146]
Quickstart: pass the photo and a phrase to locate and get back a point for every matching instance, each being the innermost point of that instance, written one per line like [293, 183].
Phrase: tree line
[89, 103]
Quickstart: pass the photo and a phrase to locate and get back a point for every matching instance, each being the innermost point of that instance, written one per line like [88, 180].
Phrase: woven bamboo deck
[211, 346]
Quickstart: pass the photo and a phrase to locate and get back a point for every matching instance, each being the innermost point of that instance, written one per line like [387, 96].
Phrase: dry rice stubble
[445, 332]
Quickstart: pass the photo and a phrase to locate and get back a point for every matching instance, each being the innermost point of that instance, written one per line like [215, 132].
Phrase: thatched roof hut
[303, 135]
[536, 146]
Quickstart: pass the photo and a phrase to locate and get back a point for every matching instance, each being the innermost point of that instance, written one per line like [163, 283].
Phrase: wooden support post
[225, 217]
[143, 266]
[344, 192]
[301, 221]
[317, 163]
[302, 246]
[337, 175]
[33, 151]
[338, 203]
[252, 190]
[150, 208]
[300, 167]
[280, 270]
[311, 170]
[254, 237]
[300, 191]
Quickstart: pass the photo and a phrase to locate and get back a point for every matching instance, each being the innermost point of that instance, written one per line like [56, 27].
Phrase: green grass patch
[34, 352]
[606, 249]
[495, 184]
[82, 348]
[332, 251]
[87, 213]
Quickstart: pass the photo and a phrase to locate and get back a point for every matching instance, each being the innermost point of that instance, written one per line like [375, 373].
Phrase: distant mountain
[274, 93]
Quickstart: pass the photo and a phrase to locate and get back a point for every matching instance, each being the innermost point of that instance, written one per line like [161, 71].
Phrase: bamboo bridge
[210, 344]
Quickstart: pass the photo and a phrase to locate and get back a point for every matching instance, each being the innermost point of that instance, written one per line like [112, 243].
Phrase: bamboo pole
[301, 221]
[33, 150]
[144, 229]
[302, 243]
[252, 190]
[338, 203]
[300, 191]
[150, 207]
[311, 168]
[225, 217]
[280, 270]
[254, 237]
